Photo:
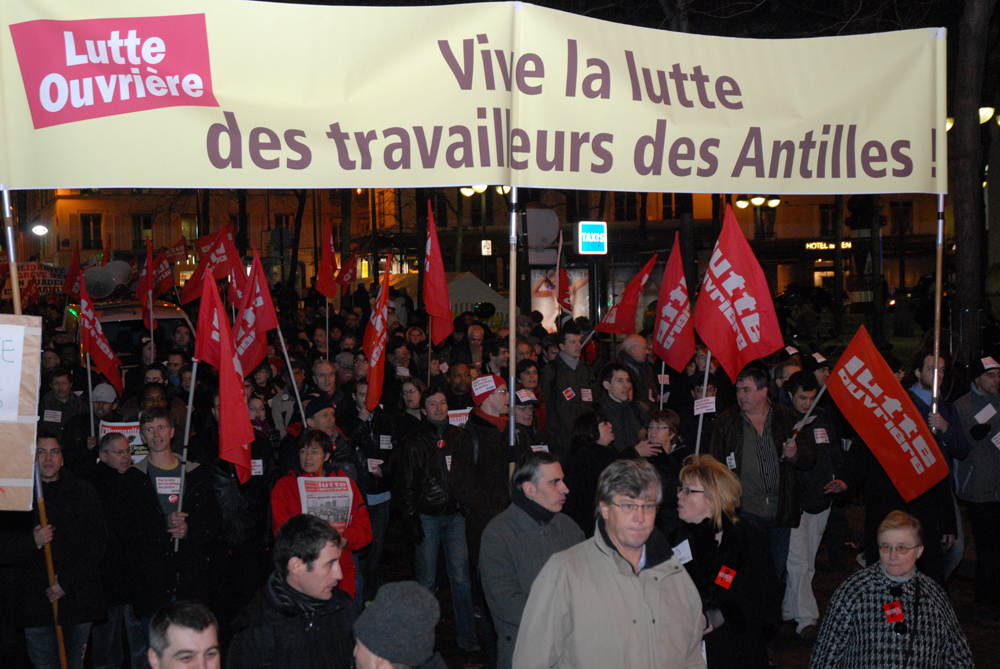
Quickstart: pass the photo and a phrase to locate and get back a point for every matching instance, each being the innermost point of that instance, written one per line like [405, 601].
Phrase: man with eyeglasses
[978, 476]
[619, 599]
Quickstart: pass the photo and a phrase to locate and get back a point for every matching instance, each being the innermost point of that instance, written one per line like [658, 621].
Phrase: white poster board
[20, 369]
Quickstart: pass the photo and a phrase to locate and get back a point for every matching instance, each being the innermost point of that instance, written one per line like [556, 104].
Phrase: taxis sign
[592, 238]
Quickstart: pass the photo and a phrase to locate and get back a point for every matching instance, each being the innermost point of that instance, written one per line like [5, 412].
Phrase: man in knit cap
[396, 631]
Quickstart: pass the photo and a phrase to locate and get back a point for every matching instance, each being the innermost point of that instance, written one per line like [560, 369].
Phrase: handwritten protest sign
[20, 367]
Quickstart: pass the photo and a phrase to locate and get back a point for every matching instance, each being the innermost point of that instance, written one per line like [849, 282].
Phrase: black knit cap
[399, 625]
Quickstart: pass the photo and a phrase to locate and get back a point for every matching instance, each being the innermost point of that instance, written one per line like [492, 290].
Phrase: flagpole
[663, 371]
[291, 375]
[328, 329]
[936, 383]
[512, 307]
[802, 423]
[90, 400]
[187, 436]
[15, 286]
[149, 279]
[430, 347]
[50, 568]
[704, 392]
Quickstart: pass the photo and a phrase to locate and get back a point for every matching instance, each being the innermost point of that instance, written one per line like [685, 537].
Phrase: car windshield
[125, 337]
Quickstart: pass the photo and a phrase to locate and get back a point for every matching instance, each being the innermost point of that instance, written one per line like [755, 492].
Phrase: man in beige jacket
[620, 599]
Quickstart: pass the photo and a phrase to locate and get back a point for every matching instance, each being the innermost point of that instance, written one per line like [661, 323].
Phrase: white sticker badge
[820, 436]
[256, 468]
[731, 461]
[168, 485]
[385, 442]
[586, 394]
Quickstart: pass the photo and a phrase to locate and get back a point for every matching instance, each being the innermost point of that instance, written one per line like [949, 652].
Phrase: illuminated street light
[773, 201]
[40, 230]
[467, 191]
[503, 190]
[757, 200]
[949, 122]
[742, 201]
[985, 114]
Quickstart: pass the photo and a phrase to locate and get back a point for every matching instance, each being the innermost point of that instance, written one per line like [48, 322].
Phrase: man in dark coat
[79, 447]
[150, 521]
[118, 575]
[78, 536]
[754, 439]
[300, 619]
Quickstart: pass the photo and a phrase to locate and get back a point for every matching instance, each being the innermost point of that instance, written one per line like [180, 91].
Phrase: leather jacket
[424, 484]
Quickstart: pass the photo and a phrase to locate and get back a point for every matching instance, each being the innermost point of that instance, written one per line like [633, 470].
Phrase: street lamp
[773, 201]
[40, 230]
[985, 114]
[742, 201]
[757, 200]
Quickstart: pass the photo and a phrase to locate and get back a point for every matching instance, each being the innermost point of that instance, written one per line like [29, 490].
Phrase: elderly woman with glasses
[729, 562]
[890, 614]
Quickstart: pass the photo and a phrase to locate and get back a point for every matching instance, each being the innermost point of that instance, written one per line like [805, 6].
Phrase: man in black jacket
[117, 574]
[150, 521]
[79, 447]
[300, 619]
[430, 512]
[78, 536]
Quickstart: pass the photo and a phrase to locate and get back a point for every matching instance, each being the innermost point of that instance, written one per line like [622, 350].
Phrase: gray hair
[633, 478]
[108, 440]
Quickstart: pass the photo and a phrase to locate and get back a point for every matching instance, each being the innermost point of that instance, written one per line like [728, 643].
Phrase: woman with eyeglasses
[890, 614]
[729, 562]
[408, 417]
[663, 431]
[591, 450]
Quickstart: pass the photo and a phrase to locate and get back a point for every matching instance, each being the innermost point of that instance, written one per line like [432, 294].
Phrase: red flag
[348, 271]
[209, 263]
[374, 342]
[256, 316]
[74, 277]
[178, 252]
[620, 319]
[221, 246]
[106, 253]
[876, 405]
[144, 291]
[163, 274]
[93, 341]
[673, 332]
[436, 299]
[326, 271]
[214, 345]
[29, 294]
[734, 314]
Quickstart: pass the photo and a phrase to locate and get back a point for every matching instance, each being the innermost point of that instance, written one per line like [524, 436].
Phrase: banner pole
[935, 386]
[50, 568]
[90, 395]
[663, 371]
[187, 436]
[704, 392]
[328, 329]
[152, 318]
[512, 307]
[15, 287]
[291, 376]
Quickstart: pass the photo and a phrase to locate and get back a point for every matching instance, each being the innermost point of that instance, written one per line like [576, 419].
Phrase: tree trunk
[300, 211]
[966, 172]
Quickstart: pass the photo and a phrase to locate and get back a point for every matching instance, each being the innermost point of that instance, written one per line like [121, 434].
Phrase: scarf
[499, 421]
[288, 598]
[537, 512]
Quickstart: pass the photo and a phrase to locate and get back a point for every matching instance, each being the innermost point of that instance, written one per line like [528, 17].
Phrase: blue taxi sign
[592, 238]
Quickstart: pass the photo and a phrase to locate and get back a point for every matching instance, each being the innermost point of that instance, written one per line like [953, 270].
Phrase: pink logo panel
[77, 70]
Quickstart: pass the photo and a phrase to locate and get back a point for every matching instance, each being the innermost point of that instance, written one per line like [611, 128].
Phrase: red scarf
[499, 421]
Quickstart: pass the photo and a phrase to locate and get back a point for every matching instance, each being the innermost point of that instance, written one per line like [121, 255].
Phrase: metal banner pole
[704, 392]
[936, 385]
[512, 306]
[15, 287]
[187, 436]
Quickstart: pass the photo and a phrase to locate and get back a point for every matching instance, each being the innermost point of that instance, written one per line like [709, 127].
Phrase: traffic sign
[592, 238]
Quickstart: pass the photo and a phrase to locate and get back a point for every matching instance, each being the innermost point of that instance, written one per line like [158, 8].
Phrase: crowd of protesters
[595, 536]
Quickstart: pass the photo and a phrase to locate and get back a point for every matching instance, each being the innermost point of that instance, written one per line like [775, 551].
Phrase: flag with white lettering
[878, 407]
[208, 265]
[620, 319]
[74, 277]
[734, 314]
[348, 270]
[255, 317]
[673, 332]
[163, 274]
[374, 341]
[93, 342]
[179, 251]
[214, 345]
[437, 302]
[144, 290]
[326, 271]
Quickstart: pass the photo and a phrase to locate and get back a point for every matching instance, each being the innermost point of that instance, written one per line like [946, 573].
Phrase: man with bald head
[632, 355]
[470, 351]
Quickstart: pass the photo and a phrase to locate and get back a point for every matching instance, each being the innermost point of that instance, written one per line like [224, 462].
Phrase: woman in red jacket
[315, 449]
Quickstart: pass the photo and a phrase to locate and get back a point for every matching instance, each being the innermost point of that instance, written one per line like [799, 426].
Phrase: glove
[980, 431]
[415, 531]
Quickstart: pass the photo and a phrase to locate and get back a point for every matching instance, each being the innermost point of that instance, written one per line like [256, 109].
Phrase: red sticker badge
[569, 394]
[725, 577]
[440, 443]
[894, 612]
[172, 499]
